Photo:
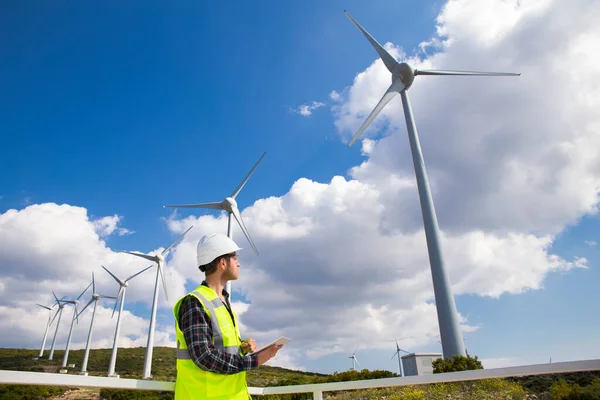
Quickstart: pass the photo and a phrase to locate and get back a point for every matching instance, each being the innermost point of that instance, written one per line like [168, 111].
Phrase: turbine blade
[118, 300]
[463, 73]
[111, 274]
[389, 61]
[106, 297]
[55, 315]
[396, 87]
[84, 291]
[394, 355]
[76, 314]
[54, 294]
[240, 221]
[164, 281]
[215, 206]
[145, 256]
[86, 306]
[355, 350]
[176, 241]
[356, 359]
[241, 185]
[136, 274]
[47, 308]
[93, 283]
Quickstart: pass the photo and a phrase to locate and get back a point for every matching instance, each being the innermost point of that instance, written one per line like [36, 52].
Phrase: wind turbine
[354, 359]
[59, 312]
[94, 299]
[50, 319]
[75, 317]
[230, 205]
[121, 299]
[159, 259]
[403, 76]
[397, 353]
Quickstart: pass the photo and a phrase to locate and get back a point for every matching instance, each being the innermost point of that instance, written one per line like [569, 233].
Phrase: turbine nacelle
[229, 204]
[160, 258]
[405, 73]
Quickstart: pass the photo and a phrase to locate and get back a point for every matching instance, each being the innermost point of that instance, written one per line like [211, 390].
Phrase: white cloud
[306, 110]
[591, 243]
[106, 226]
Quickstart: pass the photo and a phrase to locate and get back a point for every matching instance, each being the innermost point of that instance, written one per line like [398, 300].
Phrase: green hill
[130, 363]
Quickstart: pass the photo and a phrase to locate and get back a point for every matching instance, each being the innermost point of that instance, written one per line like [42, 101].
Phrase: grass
[130, 363]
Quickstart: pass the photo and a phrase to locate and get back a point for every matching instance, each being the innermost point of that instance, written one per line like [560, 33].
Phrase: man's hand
[265, 355]
[249, 346]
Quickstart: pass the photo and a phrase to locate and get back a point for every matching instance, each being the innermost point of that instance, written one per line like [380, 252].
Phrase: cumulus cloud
[306, 110]
[106, 226]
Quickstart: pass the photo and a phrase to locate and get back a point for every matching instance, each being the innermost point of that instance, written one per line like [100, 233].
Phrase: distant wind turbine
[59, 312]
[94, 299]
[403, 76]
[75, 317]
[121, 300]
[354, 359]
[47, 327]
[159, 259]
[229, 205]
[397, 353]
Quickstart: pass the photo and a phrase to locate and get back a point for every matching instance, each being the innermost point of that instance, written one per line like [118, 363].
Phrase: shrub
[456, 363]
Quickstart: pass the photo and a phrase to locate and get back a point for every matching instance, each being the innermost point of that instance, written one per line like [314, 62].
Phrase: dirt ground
[80, 394]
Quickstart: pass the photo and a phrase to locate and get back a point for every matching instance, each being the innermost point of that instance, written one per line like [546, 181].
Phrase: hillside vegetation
[130, 363]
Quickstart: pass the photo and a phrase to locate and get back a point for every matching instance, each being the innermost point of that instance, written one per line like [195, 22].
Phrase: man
[211, 357]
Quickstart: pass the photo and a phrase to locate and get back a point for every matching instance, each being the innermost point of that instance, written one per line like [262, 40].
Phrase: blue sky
[120, 110]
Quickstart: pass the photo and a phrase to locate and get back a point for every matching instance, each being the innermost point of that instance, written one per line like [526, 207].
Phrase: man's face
[232, 267]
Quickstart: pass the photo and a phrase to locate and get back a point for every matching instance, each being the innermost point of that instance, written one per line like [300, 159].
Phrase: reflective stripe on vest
[184, 354]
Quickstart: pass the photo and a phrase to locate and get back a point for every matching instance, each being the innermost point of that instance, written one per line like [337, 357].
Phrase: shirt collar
[225, 294]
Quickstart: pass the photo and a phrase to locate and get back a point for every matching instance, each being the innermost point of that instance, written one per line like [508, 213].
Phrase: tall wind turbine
[230, 205]
[159, 259]
[75, 317]
[397, 353]
[47, 327]
[402, 78]
[354, 359]
[121, 299]
[59, 312]
[94, 299]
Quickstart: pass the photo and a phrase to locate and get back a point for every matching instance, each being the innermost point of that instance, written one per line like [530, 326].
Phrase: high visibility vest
[196, 383]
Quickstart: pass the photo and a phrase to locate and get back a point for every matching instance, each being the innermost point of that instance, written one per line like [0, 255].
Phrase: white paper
[280, 340]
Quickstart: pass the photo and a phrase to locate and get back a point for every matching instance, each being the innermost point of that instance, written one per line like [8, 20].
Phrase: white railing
[317, 389]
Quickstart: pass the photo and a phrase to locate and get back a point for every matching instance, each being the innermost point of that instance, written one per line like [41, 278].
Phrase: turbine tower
[75, 303]
[59, 312]
[230, 205]
[354, 359]
[121, 299]
[397, 353]
[50, 319]
[159, 259]
[402, 78]
[95, 298]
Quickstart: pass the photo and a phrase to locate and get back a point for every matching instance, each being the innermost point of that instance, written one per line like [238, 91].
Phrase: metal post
[230, 235]
[89, 340]
[317, 395]
[66, 357]
[45, 336]
[113, 356]
[150, 345]
[55, 332]
[452, 342]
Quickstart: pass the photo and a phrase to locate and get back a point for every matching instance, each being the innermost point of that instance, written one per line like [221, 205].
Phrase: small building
[419, 363]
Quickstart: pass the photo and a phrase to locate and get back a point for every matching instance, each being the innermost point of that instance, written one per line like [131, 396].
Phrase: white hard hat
[213, 246]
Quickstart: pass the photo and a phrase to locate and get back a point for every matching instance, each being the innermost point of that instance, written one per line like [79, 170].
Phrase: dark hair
[211, 266]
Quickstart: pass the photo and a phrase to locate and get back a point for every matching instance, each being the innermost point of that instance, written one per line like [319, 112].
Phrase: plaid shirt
[196, 326]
